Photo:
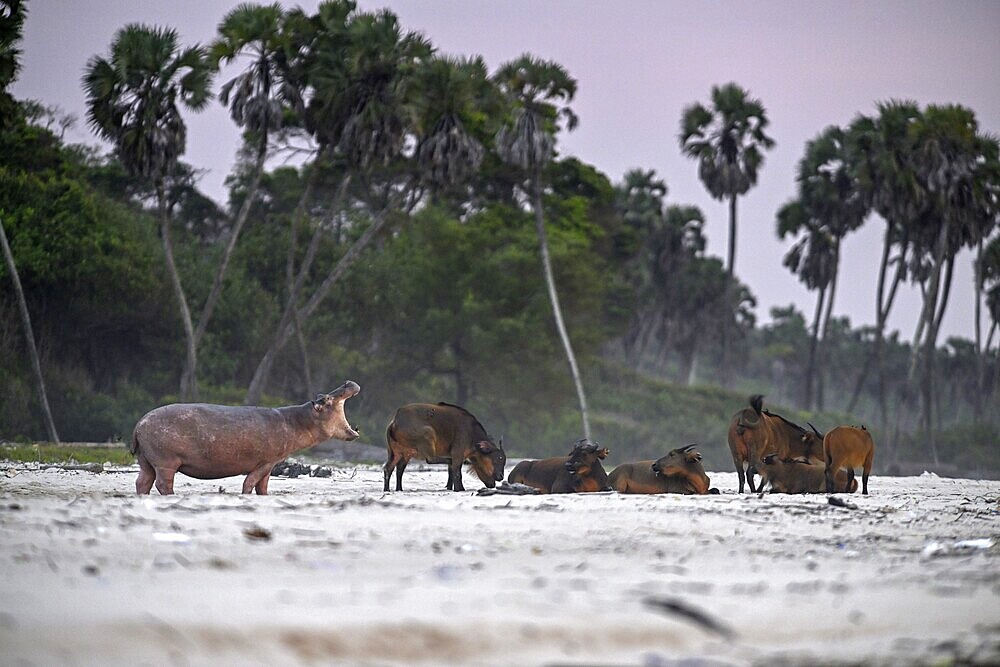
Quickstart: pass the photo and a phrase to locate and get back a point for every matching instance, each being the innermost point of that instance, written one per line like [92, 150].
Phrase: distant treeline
[405, 252]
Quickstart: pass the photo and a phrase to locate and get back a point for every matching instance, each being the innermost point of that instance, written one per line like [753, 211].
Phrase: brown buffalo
[754, 433]
[442, 433]
[848, 447]
[580, 472]
[799, 475]
[212, 441]
[680, 471]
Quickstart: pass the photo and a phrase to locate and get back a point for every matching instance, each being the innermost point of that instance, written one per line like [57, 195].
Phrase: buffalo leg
[751, 472]
[455, 475]
[866, 471]
[451, 479]
[390, 465]
[400, 467]
[144, 482]
[850, 480]
[165, 481]
[829, 477]
[740, 473]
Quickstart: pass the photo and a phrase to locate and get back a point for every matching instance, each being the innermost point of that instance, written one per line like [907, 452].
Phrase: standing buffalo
[848, 447]
[442, 433]
[212, 441]
[580, 472]
[754, 433]
[680, 471]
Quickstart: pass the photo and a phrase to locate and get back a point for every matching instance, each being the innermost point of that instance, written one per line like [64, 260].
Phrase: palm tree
[728, 141]
[252, 30]
[539, 91]
[133, 100]
[29, 335]
[830, 205]
[949, 155]
[12, 13]
[880, 151]
[451, 109]
[360, 112]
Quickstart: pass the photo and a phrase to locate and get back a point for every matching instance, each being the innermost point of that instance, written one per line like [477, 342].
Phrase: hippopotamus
[212, 441]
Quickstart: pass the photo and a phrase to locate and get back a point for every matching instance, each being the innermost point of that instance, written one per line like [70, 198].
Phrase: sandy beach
[333, 571]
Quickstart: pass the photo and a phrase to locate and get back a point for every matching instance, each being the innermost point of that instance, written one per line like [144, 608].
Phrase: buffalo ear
[318, 406]
[500, 441]
[603, 453]
[484, 447]
[769, 459]
[693, 456]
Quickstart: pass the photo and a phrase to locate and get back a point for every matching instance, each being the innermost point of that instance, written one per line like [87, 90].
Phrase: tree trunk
[263, 371]
[731, 272]
[189, 377]
[824, 347]
[927, 326]
[241, 218]
[813, 344]
[8, 255]
[879, 325]
[303, 314]
[543, 244]
[977, 399]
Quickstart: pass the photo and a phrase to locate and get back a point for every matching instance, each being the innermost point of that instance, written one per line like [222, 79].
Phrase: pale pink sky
[637, 65]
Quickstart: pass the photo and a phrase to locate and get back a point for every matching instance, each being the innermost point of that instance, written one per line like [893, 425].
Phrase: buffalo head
[488, 461]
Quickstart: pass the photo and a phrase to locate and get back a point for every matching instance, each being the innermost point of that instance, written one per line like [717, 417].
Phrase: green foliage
[47, 453]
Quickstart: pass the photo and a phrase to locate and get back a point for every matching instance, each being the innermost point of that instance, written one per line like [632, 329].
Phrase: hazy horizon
[638, 64]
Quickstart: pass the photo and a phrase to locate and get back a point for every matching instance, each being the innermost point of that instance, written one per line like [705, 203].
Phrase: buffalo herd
[213, 441]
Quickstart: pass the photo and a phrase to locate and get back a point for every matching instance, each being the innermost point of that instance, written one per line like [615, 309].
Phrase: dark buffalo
[580, 472]
[680, 471]
[212, 441]
[754, 433]
[442, 433]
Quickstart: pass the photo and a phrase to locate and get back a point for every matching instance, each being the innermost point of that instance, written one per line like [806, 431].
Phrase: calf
[848, 447]
[800, 475]
[441, 433]
[680, 471]
[580, 472]
[212, 441]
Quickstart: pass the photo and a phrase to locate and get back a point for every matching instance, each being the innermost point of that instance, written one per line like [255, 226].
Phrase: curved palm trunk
[189, 384]
[263, 370]
[813, 345]
[731, 271]
[190, 374]
[543, 244]
[977, 400]
[824, 341]
[50, 425]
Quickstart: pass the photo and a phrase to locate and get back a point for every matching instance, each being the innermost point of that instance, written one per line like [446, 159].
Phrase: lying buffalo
[580, 472]
[800, 476]
[754, 433]
[212, 441]
[441, 433]
[680, 471]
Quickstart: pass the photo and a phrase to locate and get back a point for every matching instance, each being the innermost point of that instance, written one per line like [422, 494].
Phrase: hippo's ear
[484, 447]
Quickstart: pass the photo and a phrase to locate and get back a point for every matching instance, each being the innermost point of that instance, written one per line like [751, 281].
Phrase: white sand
[92, 574]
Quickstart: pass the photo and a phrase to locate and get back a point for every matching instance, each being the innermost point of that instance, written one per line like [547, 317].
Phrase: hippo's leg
[144, 482]
[261, 486]
[165, 480]
[255, 477]
[400, 467]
